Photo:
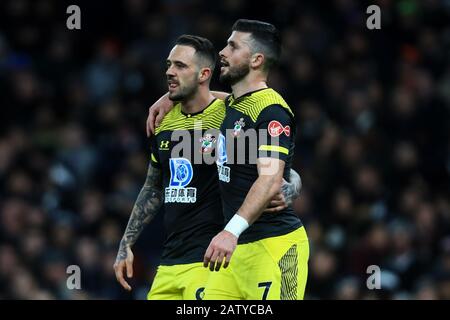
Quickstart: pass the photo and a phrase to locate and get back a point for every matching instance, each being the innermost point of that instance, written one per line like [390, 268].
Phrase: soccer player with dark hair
[183, 180]
[187, 190]
[270, 252]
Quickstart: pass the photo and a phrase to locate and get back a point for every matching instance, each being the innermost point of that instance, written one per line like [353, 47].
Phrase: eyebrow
[176, 61]
[232, 43]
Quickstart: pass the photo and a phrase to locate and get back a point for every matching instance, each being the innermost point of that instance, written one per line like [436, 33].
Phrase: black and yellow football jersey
[258, 124]
[183, 148]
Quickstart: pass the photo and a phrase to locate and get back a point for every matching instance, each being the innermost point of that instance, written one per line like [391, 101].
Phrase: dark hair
[203, 48]
[266, 39]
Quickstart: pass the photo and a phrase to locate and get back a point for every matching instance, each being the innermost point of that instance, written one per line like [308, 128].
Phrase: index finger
[273, 209]
[278, 197]
[275, 203]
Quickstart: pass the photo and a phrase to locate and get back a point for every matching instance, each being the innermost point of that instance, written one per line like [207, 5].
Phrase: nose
[222, 53]
[170, 72]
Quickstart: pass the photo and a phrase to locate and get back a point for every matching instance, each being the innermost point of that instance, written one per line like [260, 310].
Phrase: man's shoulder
[209, 118]
[171, 119]
[264, 101]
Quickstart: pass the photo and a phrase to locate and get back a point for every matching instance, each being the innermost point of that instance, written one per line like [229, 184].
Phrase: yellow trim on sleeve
[274, 148]
[154, 159]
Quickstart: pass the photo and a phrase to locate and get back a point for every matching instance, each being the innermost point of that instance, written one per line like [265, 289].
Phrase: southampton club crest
[238, 125]
[208, 142]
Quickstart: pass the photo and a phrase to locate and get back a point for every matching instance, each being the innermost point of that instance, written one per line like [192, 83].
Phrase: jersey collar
[245, 95]
[196, 113]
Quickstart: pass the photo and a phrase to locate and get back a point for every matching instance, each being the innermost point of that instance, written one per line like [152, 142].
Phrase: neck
[250, 83]
[199, 101]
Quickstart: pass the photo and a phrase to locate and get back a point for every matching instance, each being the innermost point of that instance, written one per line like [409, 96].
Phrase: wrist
[237, 225]
[124, 244]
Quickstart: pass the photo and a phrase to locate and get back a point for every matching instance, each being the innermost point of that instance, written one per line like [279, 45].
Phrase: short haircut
[204, 49]
[266, 39]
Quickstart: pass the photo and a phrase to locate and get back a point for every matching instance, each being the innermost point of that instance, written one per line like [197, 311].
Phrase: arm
[289, 192]
[157, 112]
[275, 144]
[161, 107]
[147, 205]
[266, 186]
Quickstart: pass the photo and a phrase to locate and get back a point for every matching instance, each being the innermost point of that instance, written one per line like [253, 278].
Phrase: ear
[204, 74]
[257, 60]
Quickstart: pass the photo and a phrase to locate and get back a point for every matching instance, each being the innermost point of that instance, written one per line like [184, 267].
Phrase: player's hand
[277, 204]
[156, 114]
[221, 247]
[291, 190]
[124, 263]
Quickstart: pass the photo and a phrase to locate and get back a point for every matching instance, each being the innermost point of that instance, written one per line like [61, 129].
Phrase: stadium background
[372, 146]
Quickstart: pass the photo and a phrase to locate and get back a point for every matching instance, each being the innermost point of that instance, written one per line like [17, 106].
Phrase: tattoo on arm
[291, 190]
[147, 205]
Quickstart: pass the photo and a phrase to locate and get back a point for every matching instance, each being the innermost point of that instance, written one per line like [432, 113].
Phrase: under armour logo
[164, 145]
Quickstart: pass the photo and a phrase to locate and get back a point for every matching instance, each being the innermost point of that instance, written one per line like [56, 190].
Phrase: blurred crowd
[373, 150]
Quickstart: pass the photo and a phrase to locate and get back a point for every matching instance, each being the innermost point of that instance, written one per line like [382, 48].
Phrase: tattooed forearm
[291, 189]
[147, 205]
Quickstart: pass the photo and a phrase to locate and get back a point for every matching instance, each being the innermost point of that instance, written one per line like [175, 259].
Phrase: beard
[184, 92]
[235, 74]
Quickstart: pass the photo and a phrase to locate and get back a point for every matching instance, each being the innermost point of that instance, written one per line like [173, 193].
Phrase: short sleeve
[276, 129]
[154, 156]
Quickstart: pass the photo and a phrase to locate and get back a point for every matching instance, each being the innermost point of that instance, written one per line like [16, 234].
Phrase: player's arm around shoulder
[158, 110]
[156, 113]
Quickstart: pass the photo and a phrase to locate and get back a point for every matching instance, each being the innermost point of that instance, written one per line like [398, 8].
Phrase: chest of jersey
[187, 160]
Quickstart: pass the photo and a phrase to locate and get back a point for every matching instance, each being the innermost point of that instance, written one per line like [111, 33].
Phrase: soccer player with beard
[188, 188]
[270, 252]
